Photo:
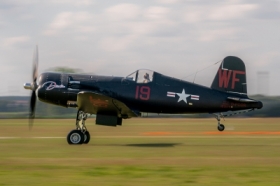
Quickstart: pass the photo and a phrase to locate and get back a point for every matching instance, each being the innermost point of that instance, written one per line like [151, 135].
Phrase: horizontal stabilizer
[246, 100]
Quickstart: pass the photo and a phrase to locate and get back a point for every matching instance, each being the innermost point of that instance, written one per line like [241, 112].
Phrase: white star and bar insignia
[182, 96]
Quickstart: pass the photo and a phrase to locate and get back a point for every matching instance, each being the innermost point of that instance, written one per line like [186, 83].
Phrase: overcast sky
[173, 37]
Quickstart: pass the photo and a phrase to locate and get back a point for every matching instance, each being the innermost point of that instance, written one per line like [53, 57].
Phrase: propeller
[33, 86]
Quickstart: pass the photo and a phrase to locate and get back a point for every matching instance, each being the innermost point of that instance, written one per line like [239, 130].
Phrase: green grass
[127, 156]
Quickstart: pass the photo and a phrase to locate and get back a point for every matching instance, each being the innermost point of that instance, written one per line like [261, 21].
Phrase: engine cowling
[52, 88]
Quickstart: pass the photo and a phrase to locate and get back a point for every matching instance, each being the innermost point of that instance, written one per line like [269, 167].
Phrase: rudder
[231, 76]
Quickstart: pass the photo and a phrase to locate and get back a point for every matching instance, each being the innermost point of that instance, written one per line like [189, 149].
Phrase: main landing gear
[220, 127]
[80, 135]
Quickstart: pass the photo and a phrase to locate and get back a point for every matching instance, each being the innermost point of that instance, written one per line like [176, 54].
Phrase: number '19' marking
[142, 92]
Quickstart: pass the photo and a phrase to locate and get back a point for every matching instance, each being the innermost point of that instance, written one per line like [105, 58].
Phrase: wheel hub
[75, 138]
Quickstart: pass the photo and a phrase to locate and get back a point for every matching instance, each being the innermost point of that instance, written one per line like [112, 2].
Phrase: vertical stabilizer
[231, 76]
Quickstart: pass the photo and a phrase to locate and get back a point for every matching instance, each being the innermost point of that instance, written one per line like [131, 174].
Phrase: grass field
[142, 152]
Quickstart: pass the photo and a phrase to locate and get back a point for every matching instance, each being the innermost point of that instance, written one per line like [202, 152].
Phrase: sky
[174, 37]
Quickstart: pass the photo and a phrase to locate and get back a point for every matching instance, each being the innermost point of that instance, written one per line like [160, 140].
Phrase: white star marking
[183, 96]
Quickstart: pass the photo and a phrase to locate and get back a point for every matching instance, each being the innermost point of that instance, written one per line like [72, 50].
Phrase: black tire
[221, 127]
[86, 137]
[75, 137]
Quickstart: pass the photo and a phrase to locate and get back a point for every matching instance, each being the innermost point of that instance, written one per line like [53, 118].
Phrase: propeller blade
[32, 109]
[34, 87]
[35, 65]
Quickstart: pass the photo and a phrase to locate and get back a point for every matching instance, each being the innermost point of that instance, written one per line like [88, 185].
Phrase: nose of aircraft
[52, 89]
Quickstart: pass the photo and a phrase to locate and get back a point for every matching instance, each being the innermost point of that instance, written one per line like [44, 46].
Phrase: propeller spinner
[33, 86]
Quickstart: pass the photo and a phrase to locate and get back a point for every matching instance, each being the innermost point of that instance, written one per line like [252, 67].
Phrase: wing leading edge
[91, 102]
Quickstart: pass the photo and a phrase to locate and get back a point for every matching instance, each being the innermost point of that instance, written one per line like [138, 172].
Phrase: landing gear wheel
[221, 127]
[86, 137]
[75, 137]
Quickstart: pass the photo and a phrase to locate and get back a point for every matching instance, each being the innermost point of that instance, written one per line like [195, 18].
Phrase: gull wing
[93, 103]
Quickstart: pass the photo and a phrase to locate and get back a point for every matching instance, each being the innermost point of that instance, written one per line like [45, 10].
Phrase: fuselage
[161, 95]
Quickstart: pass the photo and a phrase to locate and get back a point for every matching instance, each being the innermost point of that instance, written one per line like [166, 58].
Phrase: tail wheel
[75, 137]
[221, 127]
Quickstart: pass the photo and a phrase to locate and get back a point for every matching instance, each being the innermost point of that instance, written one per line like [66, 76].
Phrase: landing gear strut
[218, 116]
[80, 135]
[220, 127]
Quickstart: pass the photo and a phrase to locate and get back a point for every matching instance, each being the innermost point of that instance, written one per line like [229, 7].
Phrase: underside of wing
[93, 103]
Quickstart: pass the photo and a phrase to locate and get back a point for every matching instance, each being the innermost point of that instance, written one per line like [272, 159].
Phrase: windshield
[132, 76]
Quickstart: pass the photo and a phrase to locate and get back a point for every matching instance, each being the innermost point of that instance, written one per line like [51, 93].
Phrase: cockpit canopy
[141, 76]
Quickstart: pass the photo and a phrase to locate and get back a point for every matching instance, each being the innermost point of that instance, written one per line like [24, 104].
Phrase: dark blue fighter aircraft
[113, 99]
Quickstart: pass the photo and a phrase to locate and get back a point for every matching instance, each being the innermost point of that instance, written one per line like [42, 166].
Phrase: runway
[166, 134]
[212, 133]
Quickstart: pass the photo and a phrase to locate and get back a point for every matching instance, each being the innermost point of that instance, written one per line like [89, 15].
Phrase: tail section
[231, 76]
